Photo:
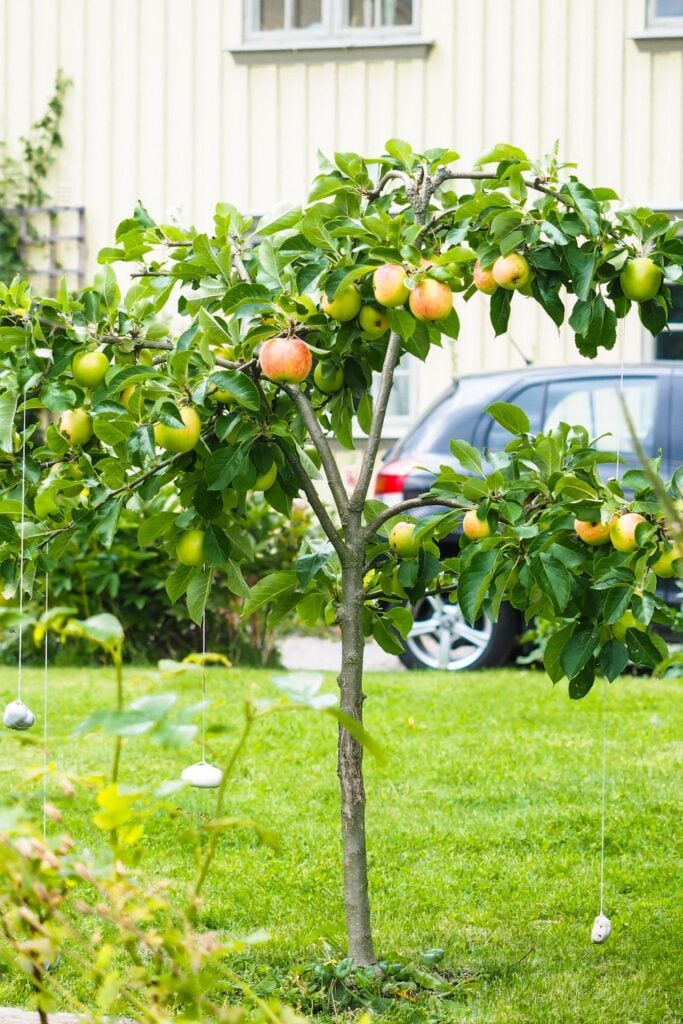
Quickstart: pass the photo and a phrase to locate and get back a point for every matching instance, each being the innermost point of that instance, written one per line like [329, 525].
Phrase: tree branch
[238, 263]
[308, 487]
[329, 463]
[422, 501]
[389, 176]
[360, 492]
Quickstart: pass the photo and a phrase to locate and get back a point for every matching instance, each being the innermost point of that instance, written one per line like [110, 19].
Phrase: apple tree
[237, 356]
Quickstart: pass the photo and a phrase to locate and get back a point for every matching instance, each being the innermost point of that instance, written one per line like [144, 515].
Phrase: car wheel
[441, 638]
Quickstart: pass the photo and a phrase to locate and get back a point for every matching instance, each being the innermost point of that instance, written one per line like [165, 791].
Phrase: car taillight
[390, 481]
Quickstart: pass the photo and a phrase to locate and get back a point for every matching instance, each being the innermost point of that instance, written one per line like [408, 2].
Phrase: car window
[595, 404]
[531, 400]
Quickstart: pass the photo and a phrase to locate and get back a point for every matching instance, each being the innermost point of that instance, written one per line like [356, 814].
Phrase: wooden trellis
[52, 245]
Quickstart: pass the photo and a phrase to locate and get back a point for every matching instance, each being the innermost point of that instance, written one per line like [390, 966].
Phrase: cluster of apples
[88, 370]
[620, 531]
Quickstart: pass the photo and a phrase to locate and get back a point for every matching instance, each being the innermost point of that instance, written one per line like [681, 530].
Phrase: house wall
[161, 110]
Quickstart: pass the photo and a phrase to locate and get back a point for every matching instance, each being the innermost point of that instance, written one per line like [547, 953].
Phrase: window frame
[334, 27]
[650, 344]
[654, 20]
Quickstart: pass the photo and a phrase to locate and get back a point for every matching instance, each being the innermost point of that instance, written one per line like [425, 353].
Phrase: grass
[483, 829]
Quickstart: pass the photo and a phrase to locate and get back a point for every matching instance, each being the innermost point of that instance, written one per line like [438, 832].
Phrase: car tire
[442, 639]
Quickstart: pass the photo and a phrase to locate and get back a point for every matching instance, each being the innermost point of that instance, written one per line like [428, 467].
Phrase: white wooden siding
[160, 111]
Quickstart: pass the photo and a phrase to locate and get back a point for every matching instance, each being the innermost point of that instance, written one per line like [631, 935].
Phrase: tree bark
[350, 756]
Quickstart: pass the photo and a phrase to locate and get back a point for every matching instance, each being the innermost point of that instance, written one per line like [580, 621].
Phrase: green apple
[665, 567]
[190, 547]
[640, 279]
[512, 271]
[627, 621]
[314, 455]
[473, 527]
[89, 368]
[345, 306]
[328, 377]
[623, 531]
[180, 439]
[402, 540]
[77, 425]
[373, 321]
[266, 480]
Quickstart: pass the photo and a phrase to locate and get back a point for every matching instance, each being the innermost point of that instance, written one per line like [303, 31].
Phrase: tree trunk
[350, 763]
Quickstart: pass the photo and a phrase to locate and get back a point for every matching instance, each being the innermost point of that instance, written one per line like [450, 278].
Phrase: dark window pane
[307, 14]
[669, 8]
[670, 345]
[272, 15]
[360, 13]
[397, 12]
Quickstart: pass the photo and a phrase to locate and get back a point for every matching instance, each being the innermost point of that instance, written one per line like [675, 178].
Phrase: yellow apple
[402, 540]
[431, 300]
[666, 567]
[483, 279]
[473, 527]
[627, 621]
[623, 531]
[593, 533]
[89, 368]
[512, 271]
[345, 306]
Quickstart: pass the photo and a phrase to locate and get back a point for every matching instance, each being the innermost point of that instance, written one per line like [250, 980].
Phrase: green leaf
[501, 151]
[198, 590]
[385, 638]
[8, 408]
[646, 649]
[309, 565]
[360, 735]
[510, 417]
[553, 652]
[475, 580]
[586, 205]
[582, 267]
[499, 310]
[153, 528]
[364, 413]
[104, 629]
[402, 619]
[235, 580]
[239, 386]
[310, 609]
[215, 332]
[613, 659]
[581, 683]
[176, 584]
[554, 580]
[401, 151]
[402, 322]
[578, 650]
[268, 589]
[314, 230]
[468, 456]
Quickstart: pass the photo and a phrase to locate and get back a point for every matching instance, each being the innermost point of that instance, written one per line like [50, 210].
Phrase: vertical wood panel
[151, 139]
[527, 44]
[381, 100]
[409, 107]
[553, 85]
[97, 110]
[581, 112]
[292, 136]
[468, 77]
[610, 39]
[207, 113]
[18, 68]
[71, 59]
[263, 153]
[498, 67]
[351, 107]
[322, 120]
[180, 113]
[125, 112]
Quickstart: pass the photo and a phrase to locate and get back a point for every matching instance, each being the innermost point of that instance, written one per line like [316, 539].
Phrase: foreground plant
[256, 318]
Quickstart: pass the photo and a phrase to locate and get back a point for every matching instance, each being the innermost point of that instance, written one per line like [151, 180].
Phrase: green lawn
[484, 834]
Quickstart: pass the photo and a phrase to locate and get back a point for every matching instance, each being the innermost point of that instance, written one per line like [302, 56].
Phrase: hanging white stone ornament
[18, 716]
[202, 775]
[602, 926]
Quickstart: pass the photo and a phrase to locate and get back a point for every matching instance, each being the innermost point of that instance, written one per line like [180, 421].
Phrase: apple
[640, 279]
[345, 306]
[266, 480]
[431, 300]
[627, 621]
[483, 279]
[473, 527]
[665, 566]
[389, 285]
[593, 533]
[328, 377]
[77, 425]
[314, 455]
[402, 540]
[89, 368]
[286, 360]
[190, 547]
[511, 272]
[180, 439]
[373, 322]
[623, 531]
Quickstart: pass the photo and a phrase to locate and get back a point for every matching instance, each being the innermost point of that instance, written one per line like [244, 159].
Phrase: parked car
[441, 638]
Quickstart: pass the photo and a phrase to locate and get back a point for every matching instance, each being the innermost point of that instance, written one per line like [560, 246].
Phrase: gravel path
[310, 652]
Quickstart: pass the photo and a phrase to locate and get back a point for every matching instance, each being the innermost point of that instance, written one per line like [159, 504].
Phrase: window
[595, 405]
[302, 22]
[661, 13]
[669, 344]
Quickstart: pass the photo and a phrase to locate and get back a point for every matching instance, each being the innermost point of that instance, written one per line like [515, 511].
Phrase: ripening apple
[402, 540]
[389, 285]
[640, 279]
[89, 368]
[483, 279]
[314, 455]
[473, 527]
[373, 321]
[180, 439]
[511, 272]
[328, 377]
[266, 480]
[430, 300]
[77, 425]
[345, 306]
[190, 547]
[285, 360]
[627, 621]
[593, 533]
[665, 567]
[623, 531]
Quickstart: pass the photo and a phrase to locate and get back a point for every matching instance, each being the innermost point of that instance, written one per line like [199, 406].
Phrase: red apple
[483, 279]
[431, 300]
[286, 360]
[388, 284]
[511, 272]
[473, 527]
[593, 533]
[623, 531]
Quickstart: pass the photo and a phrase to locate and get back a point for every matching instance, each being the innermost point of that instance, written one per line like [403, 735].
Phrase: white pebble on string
[203, 775]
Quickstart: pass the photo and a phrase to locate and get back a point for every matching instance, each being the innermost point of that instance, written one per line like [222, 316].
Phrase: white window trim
[332, 33]
[653, 20]
[658, 29]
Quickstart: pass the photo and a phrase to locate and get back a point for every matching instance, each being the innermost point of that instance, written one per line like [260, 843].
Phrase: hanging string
[45, 677]
[21, 550]
[204, 686]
